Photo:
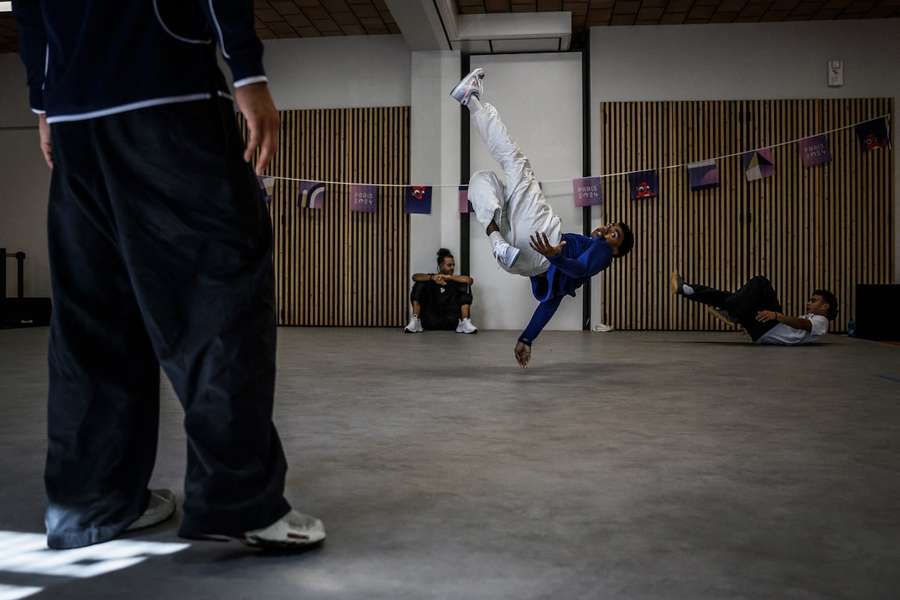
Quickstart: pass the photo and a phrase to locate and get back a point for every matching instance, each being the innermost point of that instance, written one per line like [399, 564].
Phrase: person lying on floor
[757, 309]
[441, 301]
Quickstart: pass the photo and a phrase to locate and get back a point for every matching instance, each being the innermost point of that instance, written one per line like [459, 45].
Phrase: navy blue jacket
[581, 258]
[91, 58]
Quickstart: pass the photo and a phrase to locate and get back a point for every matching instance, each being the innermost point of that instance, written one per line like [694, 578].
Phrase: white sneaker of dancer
[293, 530]
[471, 85]
[466, 326]
[415, 325]
[505, 253]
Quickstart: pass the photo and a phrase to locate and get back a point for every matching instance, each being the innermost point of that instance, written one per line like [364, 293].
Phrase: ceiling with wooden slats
[318, 18]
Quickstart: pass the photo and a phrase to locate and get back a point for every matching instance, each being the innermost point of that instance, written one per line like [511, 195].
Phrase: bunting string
[602, 176]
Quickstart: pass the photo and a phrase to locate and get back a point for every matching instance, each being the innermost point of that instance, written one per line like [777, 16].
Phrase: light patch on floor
[28, 553]
[16, 592]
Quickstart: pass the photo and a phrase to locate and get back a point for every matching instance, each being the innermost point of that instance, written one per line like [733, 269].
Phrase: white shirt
[785, 335]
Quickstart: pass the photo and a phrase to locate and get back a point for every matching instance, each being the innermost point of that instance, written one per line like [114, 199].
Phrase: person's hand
[439, 279]
[542, 245]
[765, 316]
[256, 104]
[523, 354]
[46, 144]
[600, 231]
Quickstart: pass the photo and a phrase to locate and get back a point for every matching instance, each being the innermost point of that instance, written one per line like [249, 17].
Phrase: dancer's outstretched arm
[542, 315]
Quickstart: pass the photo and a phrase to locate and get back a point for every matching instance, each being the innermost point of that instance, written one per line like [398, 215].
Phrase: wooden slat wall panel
[829, 226]
[335, 267]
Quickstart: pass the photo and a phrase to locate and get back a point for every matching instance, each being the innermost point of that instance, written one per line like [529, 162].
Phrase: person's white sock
[474, 104]
[687, 290]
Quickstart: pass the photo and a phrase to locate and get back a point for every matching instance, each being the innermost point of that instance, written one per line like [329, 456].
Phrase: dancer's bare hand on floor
[523, 354]
[542, 245]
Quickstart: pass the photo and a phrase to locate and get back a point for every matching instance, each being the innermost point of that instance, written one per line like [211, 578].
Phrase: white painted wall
[744, 61]
[339, 72]
[435, 155]
[14, 110]
[538, 97]
[24, 182]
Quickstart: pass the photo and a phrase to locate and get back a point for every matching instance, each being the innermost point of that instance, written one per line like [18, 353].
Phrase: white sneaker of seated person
[293, 530]
[414, 326]
[466, 326]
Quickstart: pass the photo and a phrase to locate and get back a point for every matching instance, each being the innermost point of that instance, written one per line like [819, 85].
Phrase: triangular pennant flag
[758, 164]
[814, 151]
[643, 184]
[588, 191]
[873, 134]
[363, 198]
[311, 195]
[266, 187]
[418, 199]
[464, 206]
[703, 175]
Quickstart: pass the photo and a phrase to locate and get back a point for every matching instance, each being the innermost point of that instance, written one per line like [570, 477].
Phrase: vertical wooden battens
[335, 267]
[829, 226]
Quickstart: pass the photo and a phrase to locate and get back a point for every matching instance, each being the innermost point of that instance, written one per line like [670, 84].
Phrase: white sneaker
[161, 507]
[505, 253]
[293, 530]
[465, 326]
[471, 85]
[415, 325]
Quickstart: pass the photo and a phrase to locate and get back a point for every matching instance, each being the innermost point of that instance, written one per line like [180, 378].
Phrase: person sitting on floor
[757, 309]
[442, 300]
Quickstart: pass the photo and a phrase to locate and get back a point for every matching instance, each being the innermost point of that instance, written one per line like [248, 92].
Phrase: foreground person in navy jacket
[161, 256]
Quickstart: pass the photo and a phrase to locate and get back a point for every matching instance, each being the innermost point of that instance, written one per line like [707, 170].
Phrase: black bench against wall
[878, 311]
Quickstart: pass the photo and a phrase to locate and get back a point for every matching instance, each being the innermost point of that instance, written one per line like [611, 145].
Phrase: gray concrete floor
[620, 465]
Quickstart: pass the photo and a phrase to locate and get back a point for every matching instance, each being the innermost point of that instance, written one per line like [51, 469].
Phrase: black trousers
[441, 305]
[161, 255]
[756, 295]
